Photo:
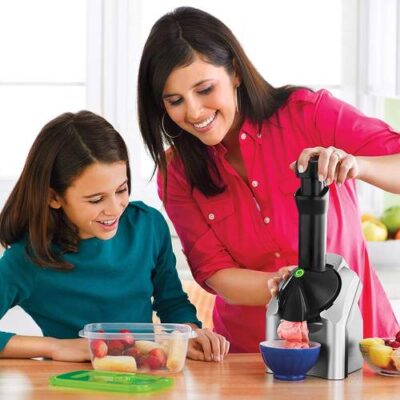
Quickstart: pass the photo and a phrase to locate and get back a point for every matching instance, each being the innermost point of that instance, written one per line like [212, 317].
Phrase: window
[42, 73]
[74, 54]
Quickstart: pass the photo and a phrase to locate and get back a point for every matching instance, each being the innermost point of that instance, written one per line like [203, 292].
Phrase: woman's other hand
[207, 346]
[333, 164]
[282, 274]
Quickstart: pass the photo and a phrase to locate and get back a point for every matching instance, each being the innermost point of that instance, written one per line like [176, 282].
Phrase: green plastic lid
[111, 381]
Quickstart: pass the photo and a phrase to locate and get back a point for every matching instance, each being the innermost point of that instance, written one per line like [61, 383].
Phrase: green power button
[299, 272]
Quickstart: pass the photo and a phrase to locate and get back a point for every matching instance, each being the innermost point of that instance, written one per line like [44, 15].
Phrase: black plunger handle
[311, 201]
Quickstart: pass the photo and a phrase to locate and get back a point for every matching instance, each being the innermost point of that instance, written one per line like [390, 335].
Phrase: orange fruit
[368, 217]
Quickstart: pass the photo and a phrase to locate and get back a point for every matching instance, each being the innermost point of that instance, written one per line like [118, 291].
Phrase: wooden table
[239, 376]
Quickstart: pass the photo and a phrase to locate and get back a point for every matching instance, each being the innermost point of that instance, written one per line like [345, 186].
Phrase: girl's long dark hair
[60, 153]
[174, 41]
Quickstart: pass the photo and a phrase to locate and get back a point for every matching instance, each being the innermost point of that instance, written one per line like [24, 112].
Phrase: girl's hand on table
[333, 164]
[74, 350]
[207, 346]
[282, 274]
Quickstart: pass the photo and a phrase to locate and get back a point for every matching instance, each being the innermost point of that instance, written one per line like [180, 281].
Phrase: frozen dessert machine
[323, 290]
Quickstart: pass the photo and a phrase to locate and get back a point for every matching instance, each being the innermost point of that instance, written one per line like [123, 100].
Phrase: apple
[391, 218]
[374, 231]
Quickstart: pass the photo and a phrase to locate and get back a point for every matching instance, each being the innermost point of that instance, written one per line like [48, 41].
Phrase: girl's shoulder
[138, 212]
[16, 256]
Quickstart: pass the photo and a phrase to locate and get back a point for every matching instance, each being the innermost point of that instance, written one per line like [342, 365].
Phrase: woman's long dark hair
[62, 150]
[174, 41]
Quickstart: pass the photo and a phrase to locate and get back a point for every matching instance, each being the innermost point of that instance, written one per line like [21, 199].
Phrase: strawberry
[398, 336]
[394, 344]
[99, 348]
[128, 339]
[133, 352]
[143, 363]
[157, 359]
[115, 347]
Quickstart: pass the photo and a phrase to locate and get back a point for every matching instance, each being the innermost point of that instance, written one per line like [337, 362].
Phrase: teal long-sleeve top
[122, 279]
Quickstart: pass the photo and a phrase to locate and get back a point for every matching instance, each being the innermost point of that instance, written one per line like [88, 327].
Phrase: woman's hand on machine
[333, 164]
[282, 274]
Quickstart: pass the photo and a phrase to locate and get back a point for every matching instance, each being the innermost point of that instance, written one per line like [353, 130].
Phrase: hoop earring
[165, 131]
[237, 99]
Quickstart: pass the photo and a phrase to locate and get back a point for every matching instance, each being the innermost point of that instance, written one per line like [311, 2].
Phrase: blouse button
[243, 136]
[267, 220]
[211, 216]
[277, 255]
[254, 184]
[259, 135]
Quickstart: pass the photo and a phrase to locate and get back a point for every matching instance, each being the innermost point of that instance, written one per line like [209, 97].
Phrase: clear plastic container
[141, 347]
[380, 356]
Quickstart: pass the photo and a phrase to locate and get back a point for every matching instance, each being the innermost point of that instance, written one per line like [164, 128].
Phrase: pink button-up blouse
[254, 225]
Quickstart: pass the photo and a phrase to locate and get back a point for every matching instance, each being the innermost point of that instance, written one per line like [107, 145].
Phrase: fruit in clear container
[394, 344]
[129, 339]
[380, 355]
[115, 347]
[157, 358]
[133, 352]
[396, 359]
[99, 348]
[177, 352]
[145, 346]
[365, 344]
[115, 363]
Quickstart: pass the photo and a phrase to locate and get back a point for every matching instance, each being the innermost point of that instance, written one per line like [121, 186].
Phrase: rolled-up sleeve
[349, 129]
[204, 251]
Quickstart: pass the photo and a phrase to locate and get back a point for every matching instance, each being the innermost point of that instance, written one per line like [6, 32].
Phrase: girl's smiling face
[200, 98]
[96, 199]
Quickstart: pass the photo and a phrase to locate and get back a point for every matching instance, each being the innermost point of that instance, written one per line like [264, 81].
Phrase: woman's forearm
[242, 286]
[381, 172]
[28, 347]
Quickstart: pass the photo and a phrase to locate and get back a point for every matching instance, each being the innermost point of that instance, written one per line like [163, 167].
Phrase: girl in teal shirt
[77, 251]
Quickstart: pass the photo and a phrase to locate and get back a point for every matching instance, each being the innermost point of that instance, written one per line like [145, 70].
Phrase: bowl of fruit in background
[137, 347]
[382, 355]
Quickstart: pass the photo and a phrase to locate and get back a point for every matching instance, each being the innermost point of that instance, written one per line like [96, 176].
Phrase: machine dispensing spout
[314, 285]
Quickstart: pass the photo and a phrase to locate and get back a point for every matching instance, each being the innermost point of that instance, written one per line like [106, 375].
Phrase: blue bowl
[289, 364]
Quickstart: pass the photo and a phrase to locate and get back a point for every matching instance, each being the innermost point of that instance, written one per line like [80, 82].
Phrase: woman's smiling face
[200, 99]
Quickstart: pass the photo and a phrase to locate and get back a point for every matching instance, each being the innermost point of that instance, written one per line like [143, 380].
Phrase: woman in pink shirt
[227, 180]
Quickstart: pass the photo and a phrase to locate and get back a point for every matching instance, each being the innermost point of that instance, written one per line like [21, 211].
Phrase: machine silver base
[340, 328]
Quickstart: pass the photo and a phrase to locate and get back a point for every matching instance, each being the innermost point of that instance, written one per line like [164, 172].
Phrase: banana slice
[177, 352]
[146, 345]
[115, 363]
